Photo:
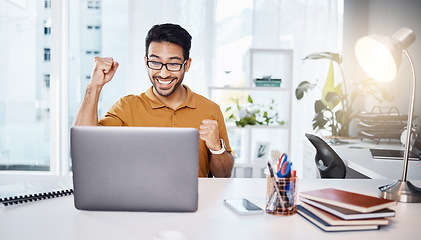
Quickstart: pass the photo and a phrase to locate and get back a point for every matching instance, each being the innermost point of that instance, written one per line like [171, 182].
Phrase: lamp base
[401, 191]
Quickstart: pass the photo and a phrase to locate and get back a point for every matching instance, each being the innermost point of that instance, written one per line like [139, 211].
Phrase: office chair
[330, 165]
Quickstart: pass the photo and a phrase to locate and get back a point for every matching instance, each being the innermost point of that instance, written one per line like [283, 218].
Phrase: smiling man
[168, 103]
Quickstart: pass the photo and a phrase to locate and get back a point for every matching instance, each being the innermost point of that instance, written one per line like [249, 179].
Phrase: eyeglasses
[172, 67]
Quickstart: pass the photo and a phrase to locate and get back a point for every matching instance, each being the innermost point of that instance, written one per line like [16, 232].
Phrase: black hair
[171, 33]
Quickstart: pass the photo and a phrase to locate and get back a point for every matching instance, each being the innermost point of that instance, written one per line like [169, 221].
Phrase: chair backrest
[330, 165]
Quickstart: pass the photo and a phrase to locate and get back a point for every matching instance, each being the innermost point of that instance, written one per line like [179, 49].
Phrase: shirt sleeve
[114, 116]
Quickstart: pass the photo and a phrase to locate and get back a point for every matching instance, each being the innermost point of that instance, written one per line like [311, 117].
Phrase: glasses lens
[173, 66]
[154, 65]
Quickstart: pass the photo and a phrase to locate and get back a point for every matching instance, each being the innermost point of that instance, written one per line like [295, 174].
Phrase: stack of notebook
[337, 210]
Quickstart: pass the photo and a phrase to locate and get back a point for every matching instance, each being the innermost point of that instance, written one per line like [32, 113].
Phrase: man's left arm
[221, 162]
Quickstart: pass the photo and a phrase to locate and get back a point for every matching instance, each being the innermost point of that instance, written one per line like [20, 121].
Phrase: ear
[146, 61]
[187, 65]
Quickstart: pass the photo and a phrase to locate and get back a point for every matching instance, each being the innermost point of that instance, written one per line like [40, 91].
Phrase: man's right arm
[103, 71]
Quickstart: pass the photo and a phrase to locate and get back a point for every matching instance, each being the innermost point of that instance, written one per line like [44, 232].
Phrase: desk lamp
[380, 57]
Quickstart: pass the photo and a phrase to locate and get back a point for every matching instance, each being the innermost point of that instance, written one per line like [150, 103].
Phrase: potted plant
[253, 114]
[334, 111]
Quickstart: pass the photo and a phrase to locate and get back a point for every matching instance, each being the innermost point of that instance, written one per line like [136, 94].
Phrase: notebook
[390, 154]
[349, 200]
[334, 220]
[27, 192]
[331, 228]
[348, 214]
[135, 168]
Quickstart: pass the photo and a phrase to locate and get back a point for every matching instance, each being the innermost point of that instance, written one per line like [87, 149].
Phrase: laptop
[135, 168]
[389, 154]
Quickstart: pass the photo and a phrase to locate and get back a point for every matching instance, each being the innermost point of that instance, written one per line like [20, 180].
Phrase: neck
[175, 99]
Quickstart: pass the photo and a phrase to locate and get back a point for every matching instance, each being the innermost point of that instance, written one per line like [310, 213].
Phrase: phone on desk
[243, 206]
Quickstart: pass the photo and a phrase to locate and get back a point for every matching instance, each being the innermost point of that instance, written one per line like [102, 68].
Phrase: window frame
[59, 84]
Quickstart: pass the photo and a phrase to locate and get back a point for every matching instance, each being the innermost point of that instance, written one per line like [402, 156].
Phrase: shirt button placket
[174, 119]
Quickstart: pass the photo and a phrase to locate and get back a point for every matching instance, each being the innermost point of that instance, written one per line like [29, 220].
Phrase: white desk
[58, 219]
[357, 156]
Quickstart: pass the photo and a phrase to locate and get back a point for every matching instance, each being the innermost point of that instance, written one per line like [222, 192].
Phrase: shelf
[246, 141]
[252, 165]
[286, 126]
[251, 88]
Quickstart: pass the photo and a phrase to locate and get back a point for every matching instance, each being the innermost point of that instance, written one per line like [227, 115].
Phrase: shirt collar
[155, 103]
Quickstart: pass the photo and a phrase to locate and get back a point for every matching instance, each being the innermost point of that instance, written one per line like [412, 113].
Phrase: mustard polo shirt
[145, 110]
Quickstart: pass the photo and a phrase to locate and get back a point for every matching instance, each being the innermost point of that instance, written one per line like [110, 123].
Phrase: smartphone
[243, 206]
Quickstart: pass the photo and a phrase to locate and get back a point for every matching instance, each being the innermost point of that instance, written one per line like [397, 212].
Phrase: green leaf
[302, 88]
[238, 104]
[319, 106]
[252, 120]
[333, 99]
[250, 100]
[319, 121]
[330, 87]
[325, 55]
[340, 116]
[241, 123]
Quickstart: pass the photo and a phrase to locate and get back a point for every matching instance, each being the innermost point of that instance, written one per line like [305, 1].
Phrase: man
[167, 103]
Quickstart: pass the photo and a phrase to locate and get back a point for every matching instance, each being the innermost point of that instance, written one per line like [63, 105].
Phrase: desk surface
[58, 219]
[356, 154]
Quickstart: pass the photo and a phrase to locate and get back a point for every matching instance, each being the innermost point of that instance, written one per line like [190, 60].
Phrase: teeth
[164, 82]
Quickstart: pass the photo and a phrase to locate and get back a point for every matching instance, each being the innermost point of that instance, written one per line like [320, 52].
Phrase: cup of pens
[281, 194]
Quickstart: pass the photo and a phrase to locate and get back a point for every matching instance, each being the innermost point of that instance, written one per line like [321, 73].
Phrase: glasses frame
[166, 65]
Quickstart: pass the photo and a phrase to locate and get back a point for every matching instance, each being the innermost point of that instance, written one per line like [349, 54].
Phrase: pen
[284, 167]
[276, 186]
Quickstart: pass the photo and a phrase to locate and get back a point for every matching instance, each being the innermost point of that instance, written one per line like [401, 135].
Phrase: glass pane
[25, 85]
[96, 28]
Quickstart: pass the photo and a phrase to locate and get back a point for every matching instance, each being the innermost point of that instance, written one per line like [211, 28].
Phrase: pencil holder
[282, 198]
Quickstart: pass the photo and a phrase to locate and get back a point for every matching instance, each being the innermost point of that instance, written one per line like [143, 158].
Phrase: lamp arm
[410, 117]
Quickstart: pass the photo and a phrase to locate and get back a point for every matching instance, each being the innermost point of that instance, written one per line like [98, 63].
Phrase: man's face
[166, 82]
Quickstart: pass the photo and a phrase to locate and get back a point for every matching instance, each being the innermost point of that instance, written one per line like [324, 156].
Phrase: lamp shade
[381, 56]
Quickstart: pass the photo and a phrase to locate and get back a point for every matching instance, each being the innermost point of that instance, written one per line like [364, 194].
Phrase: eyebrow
[171, 58]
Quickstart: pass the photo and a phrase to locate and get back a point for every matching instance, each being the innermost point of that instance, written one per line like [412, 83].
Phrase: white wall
[385, 17]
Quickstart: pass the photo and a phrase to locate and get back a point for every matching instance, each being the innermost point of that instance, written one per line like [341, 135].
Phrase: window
[94, 4]
[47, 80]
[90, 18]
[47, 4]
[47, 27]
[92, 52]
[47, 30]
[90, 27]
[47, 54]
[24, 95]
